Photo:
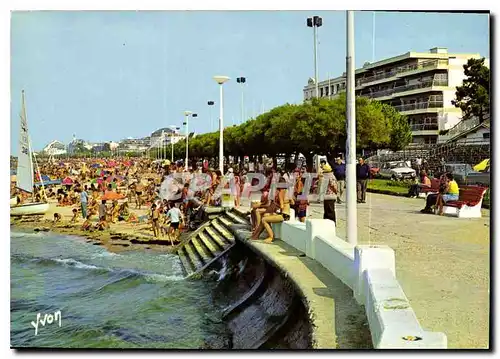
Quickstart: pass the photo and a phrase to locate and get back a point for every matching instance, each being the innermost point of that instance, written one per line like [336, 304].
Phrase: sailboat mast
[44, 195]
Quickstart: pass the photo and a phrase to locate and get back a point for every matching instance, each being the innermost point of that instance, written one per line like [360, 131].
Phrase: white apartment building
[420, 85]
[166, 136]
[55, 148]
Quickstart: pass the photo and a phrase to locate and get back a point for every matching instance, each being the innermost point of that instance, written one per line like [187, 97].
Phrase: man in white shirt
[174, 214]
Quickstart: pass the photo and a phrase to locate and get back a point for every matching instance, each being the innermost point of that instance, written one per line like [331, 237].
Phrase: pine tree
[473, 97]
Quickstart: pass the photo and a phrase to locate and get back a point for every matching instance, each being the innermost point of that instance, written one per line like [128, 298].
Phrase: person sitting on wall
[277, 212]
[258, 209]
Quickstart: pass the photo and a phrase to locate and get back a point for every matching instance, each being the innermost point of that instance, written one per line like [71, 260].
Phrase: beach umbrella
[67, 181]
[111, 178]
[112, 196]
[95, 165]
[97, 180]
[481, 166]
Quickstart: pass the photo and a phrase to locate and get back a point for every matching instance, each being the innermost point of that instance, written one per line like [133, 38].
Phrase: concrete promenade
[442, 263]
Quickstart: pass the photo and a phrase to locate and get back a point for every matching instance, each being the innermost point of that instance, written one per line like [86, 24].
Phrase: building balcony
[420, 107]
[401, 89]
[402, 71]
[424, 127]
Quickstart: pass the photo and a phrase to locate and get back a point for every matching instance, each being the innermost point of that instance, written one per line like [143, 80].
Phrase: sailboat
[24, 175]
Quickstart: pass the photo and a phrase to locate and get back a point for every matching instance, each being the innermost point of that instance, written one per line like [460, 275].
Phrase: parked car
[396, 171]
[464, 174]
[374, 169]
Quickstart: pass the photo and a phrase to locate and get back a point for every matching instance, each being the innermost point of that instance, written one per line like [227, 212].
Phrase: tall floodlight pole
[241, 81]
[315, 22]
[210, 104]
[186, 123]
[352, 225]
[162, 143]
[220, 80]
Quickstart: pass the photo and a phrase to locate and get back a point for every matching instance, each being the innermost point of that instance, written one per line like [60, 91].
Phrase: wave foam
[74, 263]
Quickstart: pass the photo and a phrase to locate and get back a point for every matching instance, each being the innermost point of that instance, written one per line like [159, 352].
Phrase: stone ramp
[210, 242]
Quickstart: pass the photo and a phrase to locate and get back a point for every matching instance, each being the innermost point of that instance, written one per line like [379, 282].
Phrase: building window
[321, 92]
[486, 135]
[327, 90]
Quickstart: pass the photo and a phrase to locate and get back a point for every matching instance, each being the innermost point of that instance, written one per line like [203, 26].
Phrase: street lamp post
[315, 22]
[220, 80]
[210, 104]
[242, 80]
[352, 225]
[172, 142]
[187, 114]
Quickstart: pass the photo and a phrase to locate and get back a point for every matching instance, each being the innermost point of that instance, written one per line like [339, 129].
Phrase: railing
[463, 126]
[404, 88]
[401, 70]
[424, 127]
[419, 106]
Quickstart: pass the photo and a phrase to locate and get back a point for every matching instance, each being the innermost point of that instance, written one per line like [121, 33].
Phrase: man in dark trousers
[339, 172]
[362, 175]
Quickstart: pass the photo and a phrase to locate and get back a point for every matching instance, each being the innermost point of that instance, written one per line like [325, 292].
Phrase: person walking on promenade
[330, 194]
[321, 186]
[362, 176]
[339, 172]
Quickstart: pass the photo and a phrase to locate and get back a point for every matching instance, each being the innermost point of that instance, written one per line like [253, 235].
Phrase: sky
[109, 75]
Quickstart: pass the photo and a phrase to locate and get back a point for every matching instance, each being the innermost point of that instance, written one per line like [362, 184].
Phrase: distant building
[419, 85]
[470, 132]
[134, 144]
[55, 148]
[76, 144]
[166, 136]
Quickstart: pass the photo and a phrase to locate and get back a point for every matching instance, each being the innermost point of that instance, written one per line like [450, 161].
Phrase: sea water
[66, 293]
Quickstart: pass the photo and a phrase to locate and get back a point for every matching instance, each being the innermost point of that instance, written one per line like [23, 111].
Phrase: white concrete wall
[370, 271]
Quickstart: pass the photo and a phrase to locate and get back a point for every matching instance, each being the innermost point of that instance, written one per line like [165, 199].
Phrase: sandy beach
[121, 236]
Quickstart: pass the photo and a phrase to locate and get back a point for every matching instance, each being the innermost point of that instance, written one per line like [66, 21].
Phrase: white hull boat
[25, 172]
[29, 209]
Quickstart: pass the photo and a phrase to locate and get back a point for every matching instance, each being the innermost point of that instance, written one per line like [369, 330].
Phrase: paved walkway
[339, 321]
[441, 262]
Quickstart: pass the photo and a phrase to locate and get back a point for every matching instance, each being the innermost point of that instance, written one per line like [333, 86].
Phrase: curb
[390, 193]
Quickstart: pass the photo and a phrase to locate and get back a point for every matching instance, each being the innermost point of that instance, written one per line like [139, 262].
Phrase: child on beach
[74, 219]
[57, 218]
[155, 217]
[87, 225]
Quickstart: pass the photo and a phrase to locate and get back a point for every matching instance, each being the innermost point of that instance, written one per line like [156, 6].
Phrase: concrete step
[225, 221]
[212, 246]
[206, 255]
[219, 239]
[222, 230]
[186, 263]
[193, 257]
[235, 218]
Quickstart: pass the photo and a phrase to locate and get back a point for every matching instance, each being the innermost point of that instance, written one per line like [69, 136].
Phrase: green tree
[473, 97]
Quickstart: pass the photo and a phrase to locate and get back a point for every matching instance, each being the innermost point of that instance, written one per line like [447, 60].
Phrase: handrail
[403, 88]
[419, 106]
[401, 70]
